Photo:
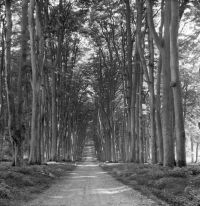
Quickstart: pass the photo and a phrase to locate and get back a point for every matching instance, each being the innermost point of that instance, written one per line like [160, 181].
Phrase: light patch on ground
[89, 185]
[115, 190]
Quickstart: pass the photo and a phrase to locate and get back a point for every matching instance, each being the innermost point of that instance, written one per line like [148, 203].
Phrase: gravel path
[89, 185]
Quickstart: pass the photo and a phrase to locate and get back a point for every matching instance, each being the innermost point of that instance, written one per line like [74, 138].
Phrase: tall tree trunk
[149, 75]
[152, 101]
[34, 118]
[8, 62]
[164, 48]
[53, 100]
[2, 85]
[197, 152]
[1, 70]
[9, 95]
[158, 95]
[141, 126]
[20, 127]
[136, 148]
[158, 115]
[131, 79]
[192, 149]
[54, 118]
[176, 86]
[166, 109]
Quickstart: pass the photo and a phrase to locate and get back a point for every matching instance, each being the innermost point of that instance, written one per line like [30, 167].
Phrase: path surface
[89, 185]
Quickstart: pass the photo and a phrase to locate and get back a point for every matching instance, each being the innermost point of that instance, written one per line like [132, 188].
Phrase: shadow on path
[89, 185]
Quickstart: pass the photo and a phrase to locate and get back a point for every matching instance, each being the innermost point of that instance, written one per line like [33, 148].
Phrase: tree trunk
[13, 133]
[53, 100]
[34, 118]
[197, 152]
[164, 48]
[1, 87]
[1, 73]
[158, 95]
[149, 75]
[152, 101]
[131, 79]
[158, 115]
[11, 123]
[192, 149]
[166, 109]
[141, 126]
[176, 86]
[54, 118]
[20, 128]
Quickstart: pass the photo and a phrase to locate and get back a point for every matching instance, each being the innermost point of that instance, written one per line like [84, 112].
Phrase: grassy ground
[23, 184]
[178, 186]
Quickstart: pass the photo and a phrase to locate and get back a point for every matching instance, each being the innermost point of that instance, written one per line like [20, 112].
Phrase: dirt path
[89, 185]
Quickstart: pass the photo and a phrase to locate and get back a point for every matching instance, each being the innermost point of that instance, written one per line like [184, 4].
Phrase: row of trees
[104, 69]
[136, 66]
[44, 106]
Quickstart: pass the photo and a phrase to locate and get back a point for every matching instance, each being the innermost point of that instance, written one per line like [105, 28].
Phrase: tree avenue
[115, 71]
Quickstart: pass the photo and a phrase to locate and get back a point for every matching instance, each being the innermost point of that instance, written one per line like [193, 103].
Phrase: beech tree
[112, 70]
[176, 87]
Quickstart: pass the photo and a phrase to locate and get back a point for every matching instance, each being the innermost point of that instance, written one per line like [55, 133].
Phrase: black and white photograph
[99, 102]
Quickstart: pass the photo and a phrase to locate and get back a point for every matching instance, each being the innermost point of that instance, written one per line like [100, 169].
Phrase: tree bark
[152, 103]
[164, 48]
[158, 96]
[192, 149]
[131, 87]
[158, 114]
[197, 152]
[54, 118]
[35, 86]
[149, 75]
[176, 86]
[141, 126]
[10, 97]
[2, 69]
[20, 127]
[53, 100]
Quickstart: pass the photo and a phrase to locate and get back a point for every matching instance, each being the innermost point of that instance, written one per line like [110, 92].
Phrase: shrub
[178, 172]
[194, 170]
[5, 191]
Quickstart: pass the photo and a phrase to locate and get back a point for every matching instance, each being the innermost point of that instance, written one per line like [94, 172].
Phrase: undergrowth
[18, 184]
[178, 186]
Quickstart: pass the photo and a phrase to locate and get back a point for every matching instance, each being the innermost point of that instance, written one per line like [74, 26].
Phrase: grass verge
[178, 186]
[21, 184]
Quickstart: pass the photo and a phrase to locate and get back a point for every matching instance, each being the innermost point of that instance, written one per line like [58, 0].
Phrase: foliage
[92, 77]
[21, 183]
[178, 186]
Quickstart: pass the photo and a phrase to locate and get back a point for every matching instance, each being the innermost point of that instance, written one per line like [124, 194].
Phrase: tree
[35, 86]
[126, 72]
[169, 52]
[175, 84]
[164, 48]
[15, 128]
[10, 100]
[149, 75]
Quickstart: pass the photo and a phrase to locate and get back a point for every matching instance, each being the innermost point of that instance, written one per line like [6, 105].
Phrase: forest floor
[85, 184]
[178, 186]
[90, 185]
[22, 184]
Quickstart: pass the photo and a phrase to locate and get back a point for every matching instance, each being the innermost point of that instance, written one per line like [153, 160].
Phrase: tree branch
[138, 40]
[182, 8]
[156, 38]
